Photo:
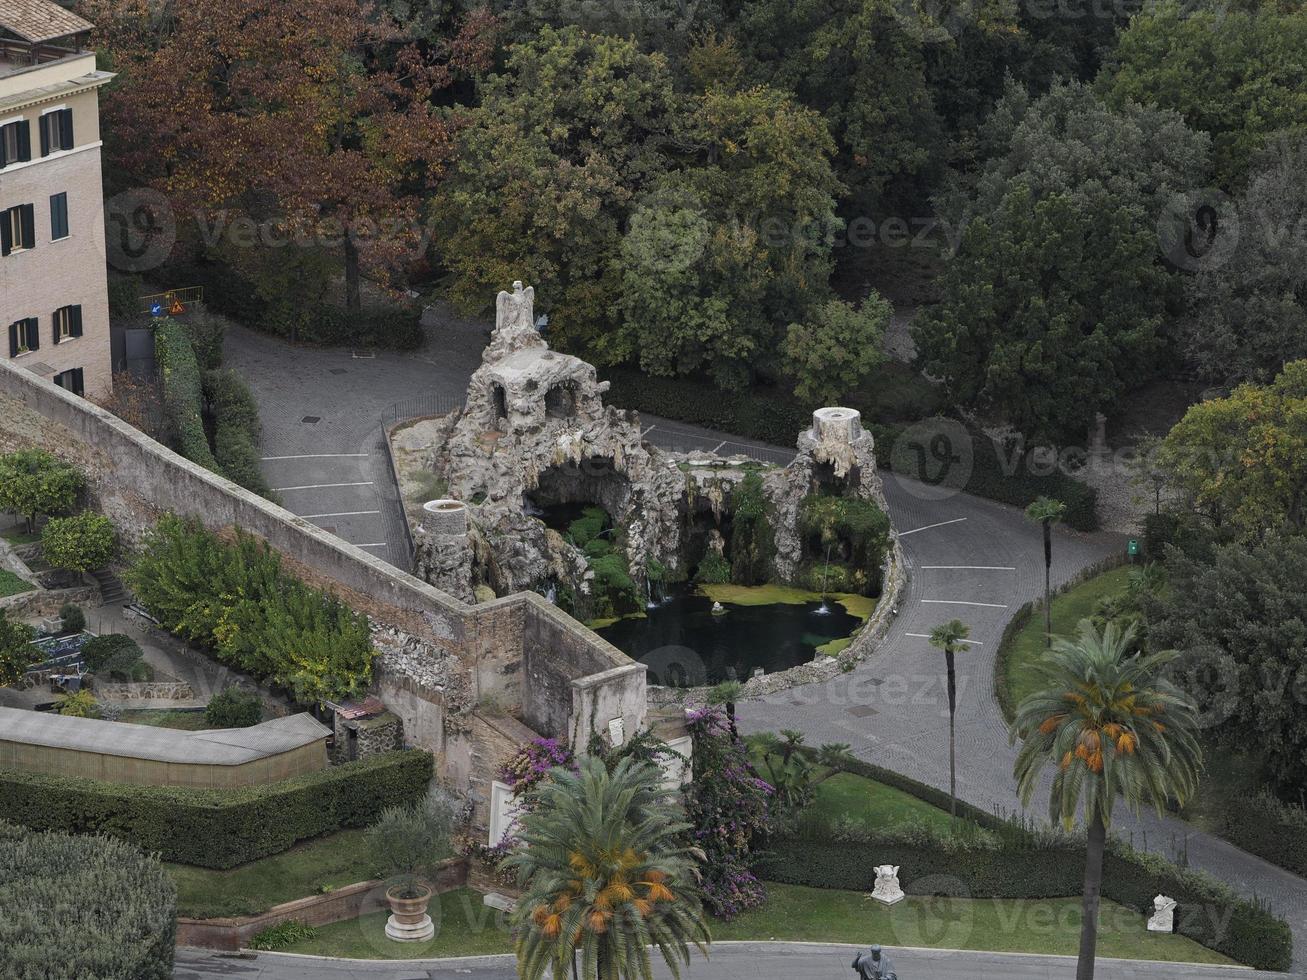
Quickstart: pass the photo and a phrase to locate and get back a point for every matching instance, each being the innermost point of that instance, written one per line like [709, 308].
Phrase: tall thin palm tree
[605, 876]
[1047, 511]
[948, 637]
[1114, 728]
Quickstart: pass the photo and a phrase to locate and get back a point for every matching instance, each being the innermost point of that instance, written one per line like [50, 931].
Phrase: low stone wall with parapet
[134, 480]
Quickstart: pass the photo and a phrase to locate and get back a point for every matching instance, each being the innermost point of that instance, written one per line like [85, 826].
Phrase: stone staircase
[112, 590]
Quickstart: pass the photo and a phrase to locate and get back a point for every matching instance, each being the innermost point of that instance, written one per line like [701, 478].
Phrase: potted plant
[406, 843]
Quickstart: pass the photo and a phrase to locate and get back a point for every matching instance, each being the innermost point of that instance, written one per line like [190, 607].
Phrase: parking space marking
[926, 636]
[956, 520]
[343, 513]
[964, 602]
[268, 459]
[322, 486]
[975, 568]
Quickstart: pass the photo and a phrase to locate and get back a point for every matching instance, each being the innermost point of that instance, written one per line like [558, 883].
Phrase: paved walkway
[969, 558]
[729, 961]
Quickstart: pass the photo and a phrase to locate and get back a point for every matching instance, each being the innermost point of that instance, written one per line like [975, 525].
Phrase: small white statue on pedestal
[887, 890]
[1163, 918]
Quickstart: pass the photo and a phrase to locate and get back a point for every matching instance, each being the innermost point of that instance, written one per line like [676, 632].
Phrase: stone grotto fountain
[544, 487]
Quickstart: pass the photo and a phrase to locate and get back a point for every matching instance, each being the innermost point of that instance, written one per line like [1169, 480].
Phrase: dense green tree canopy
[1234, 73]
[1241, 461]
[1248, 302]
[1055, 303]
[32, 482]
[1240, 622]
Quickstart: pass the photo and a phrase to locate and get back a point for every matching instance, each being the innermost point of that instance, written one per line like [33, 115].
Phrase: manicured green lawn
[1068, 609]
[335, 860]
[846, 796]
[466, 927]
[190, 721]
[11, 584]
[17, 536]
[1052, 926]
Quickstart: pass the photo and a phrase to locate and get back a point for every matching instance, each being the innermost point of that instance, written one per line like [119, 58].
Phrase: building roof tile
[40, 20]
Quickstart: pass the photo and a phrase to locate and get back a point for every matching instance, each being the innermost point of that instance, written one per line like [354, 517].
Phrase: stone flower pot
[409, 921]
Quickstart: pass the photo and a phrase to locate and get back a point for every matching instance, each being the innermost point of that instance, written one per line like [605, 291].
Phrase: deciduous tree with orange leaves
[318, 122]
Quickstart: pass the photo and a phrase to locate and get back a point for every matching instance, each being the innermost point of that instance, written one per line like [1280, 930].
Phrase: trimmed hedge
[218, 828]
[1269, 828]
[83, 907]
[776, 419]
[395, 327]
[182, 391]
[237, 431]
[1002, 859]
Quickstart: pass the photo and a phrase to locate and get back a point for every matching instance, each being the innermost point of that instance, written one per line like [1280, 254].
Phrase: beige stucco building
[54, 310]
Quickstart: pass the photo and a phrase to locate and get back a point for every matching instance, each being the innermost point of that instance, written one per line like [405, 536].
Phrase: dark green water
[685, 644]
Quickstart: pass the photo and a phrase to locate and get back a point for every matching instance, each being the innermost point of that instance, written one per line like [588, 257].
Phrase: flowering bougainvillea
[533, 761]
[729, 807]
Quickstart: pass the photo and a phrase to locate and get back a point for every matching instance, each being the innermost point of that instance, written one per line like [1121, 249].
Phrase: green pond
[685, 643]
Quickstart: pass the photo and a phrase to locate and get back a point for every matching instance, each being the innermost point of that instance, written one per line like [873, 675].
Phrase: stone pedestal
[410, 932]
[887, 890]
[836, 424]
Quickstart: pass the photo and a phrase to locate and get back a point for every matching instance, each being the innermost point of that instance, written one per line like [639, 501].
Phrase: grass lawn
[335, 860]
[846, 796]
[1050, 926]
[190, 721]
[1068, 609]
[18, 535]
[466, 927]
[11, 584]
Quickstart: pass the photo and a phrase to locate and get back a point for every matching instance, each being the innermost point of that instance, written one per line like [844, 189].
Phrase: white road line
[964, 602]
[322, 486]
[374, 544]
[343, 513]
[956, 520]
[976, 568]
[267, 459]
[648, 430]
[718, 448]
[926, 636]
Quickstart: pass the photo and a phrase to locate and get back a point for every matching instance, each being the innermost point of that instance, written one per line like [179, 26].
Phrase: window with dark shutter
[13, 340]
[76, 313]
[7, 225]
[27, 218]
[56, 131]
[15, 144]
[70, 380]
[58, 216]
[66, 131]
[17, 228]
[24, 336]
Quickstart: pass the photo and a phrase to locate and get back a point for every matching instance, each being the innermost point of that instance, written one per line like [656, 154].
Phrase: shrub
[1271, 829]
[713, 569]
[117, 657]
[72, 617]
[218, 828]
[80, 543]
[235, 600]
[85, 907]
[207, 331]
[79, 704]
[234, 708]
[409, 841]
[237, 431]
[16, 650]
[282, 935]
[182, 392]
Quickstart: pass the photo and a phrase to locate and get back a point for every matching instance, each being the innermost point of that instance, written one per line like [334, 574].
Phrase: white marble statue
[1163, 917]
[515, 311]
[887, 888]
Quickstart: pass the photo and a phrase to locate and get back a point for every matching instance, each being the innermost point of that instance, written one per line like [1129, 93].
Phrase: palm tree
[1047, 511]
[948, 638]
[606, 875]
[1113, 727]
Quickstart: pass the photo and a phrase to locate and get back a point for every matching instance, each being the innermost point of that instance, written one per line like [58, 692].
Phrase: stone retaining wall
[339, 905]
[47, 602]
[145, 691]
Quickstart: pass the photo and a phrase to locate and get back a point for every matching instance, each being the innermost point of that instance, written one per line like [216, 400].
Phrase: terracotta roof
[40, 20]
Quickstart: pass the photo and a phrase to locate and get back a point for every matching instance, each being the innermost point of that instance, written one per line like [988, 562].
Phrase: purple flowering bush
[729, 807]
[533, 761]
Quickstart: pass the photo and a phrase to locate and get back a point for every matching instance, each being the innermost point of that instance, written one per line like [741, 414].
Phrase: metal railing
[173, 301]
